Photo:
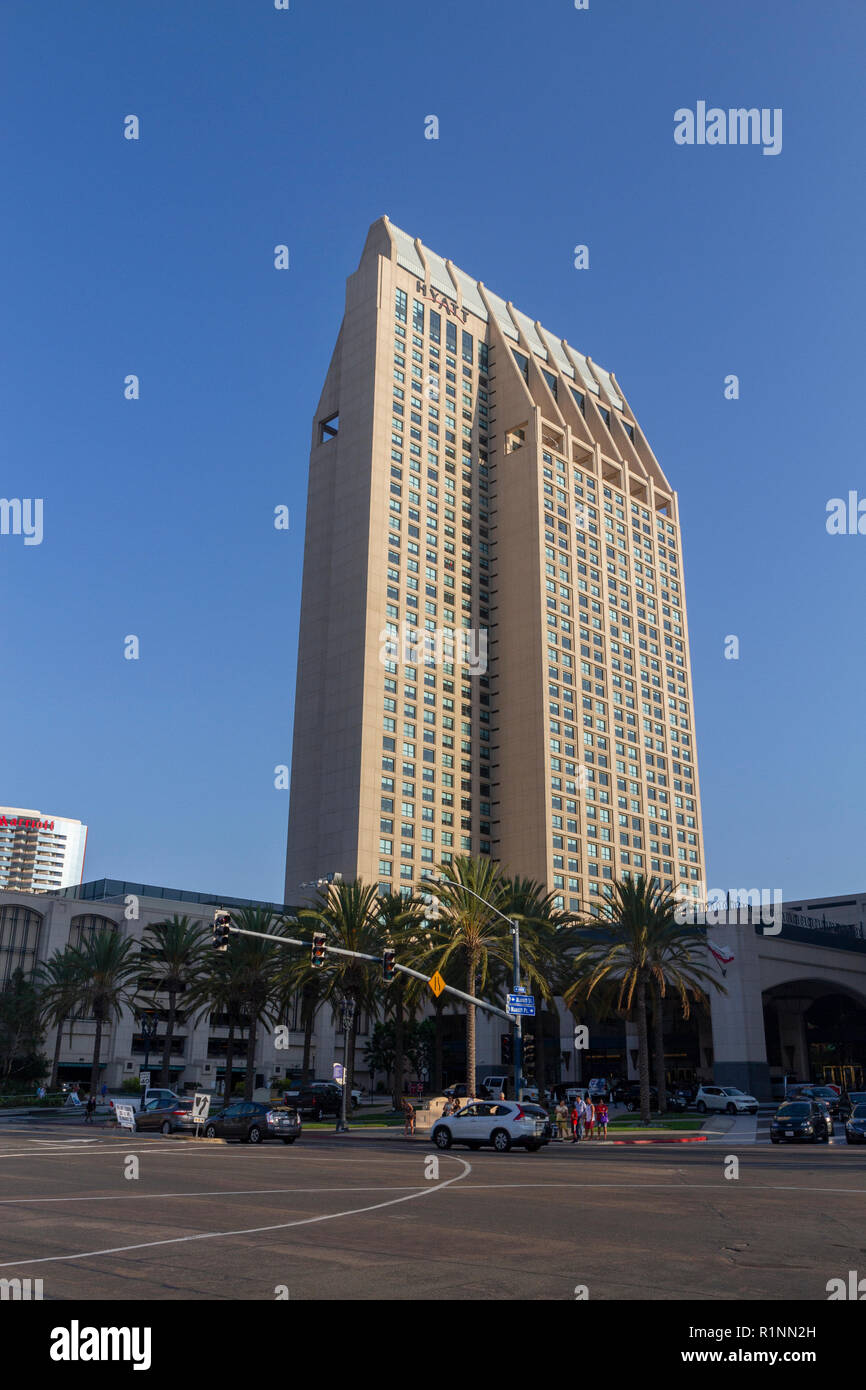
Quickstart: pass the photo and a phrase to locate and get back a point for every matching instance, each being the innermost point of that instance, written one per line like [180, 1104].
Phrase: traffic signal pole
[518, 1022]
[360, 955]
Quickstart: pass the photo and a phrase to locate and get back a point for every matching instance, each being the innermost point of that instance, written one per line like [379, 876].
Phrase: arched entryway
[816, 1031]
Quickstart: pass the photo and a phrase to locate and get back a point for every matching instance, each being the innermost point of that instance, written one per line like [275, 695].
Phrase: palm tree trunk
[308, 1006]
[659, 1036]
[643, 1050]
[470, 1027]
[399, 1060]
[437, 1051]
[97, 1046]
[55, 1068]
[230, 1057]
[165, 1074]
[249, 1075]
[538, 1034]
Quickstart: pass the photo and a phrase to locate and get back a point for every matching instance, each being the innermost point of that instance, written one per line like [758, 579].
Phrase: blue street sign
[520, 1004]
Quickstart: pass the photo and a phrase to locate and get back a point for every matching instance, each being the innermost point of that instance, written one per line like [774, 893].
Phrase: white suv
[502, 1124]
[728, 1098]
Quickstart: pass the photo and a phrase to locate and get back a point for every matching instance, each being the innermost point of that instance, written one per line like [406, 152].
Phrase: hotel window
[19, 939]
[417, 316]
[467, 346]
[435, 326]
[482, 357]
[450, 340]
[523, 363]
[401, 305]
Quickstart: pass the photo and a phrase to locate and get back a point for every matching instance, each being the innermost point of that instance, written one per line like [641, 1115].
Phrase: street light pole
[348, 1015]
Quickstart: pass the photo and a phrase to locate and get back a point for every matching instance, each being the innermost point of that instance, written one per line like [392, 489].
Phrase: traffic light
[528, 1054]
[221, 931]
[317, 951]
[389, 969]
[506, 1054]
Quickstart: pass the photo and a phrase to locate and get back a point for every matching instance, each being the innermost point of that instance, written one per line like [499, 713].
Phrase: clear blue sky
[156, 257]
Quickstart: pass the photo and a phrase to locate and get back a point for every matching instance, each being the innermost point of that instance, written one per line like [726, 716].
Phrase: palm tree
[299, 975]
[349, 916]
[400, 920]
[678, 959]
[618, 945]
[110, 969]
[425, 949]
[259, 970]
[477, 935]
[221, 992]
[59, 982]
[172, 958]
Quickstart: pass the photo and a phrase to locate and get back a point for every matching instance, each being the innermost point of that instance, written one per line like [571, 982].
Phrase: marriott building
[478, 484]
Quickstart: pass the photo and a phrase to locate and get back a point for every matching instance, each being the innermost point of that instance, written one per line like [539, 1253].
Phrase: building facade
[493, 650]
[40, 853]
[793, 1002]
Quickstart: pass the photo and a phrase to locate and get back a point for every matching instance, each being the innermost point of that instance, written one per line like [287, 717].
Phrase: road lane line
[249, 1231]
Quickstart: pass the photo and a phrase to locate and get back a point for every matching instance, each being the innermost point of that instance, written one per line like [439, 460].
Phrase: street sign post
[436, 983]
[200, 1108]
[125, 1114]
[144, 1079]
[520, 1004]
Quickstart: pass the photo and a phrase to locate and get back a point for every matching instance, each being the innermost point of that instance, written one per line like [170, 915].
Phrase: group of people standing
[587, 1119]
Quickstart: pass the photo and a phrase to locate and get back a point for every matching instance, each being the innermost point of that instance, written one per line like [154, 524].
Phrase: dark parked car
[848, 1101]
[252, 1122]
[806, 1120]
[165, 1116]
[825, 1093]
[317, 1099]
[632, 1099]
[460, 1091]
[855, 1125]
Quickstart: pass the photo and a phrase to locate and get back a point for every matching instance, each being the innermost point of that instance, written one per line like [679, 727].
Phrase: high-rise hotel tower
[474, 477]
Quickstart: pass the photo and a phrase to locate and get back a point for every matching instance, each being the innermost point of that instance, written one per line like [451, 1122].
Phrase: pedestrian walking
[89, 1109]
[601, 1119]
[561, 1113]
[408, 1117]
[589, 1116]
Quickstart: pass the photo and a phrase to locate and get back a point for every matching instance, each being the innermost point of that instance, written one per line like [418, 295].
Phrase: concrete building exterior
[794, 1003]
[475, 480]
[39, 853]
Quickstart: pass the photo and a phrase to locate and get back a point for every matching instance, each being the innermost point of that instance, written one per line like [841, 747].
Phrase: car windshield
[859, 1111]
[732, 1091]
[793, 1110]
[534, 1110]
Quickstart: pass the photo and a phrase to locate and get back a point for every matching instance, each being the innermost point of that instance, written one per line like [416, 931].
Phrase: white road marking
[249, 1231]
[223, 1192]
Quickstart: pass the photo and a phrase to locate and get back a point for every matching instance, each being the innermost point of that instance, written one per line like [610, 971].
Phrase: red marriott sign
[24, 821]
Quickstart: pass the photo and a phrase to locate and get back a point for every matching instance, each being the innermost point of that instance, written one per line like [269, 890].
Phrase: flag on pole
[723, 956]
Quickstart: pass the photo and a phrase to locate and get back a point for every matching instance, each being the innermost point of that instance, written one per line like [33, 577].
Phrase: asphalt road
[333, 1218]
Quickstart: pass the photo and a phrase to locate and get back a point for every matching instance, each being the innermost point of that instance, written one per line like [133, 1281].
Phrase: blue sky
[155, 257]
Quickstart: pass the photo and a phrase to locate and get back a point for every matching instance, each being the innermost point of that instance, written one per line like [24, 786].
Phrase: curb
[689, 1139]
